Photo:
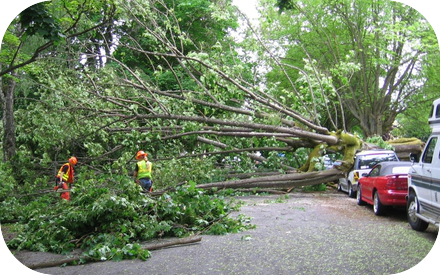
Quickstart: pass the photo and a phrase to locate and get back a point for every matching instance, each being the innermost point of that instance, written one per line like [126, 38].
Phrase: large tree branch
[232, 134]
[264, 99]
[331, 140]
[253, 156]
[279, 181]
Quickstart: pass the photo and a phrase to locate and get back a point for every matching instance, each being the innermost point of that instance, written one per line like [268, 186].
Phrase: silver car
[363, 163]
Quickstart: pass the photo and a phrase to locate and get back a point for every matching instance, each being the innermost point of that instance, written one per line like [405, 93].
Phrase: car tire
[359, 196]
[378, 208]
[411, 210]
[351, 192]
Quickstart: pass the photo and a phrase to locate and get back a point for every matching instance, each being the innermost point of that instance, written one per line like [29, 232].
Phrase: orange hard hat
[140, 154]
[73, 160]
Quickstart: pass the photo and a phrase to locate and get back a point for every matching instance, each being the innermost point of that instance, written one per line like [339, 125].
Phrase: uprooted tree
[169, 78]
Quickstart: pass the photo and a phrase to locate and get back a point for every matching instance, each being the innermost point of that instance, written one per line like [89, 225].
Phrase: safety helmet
[140, 155]
[73, 160]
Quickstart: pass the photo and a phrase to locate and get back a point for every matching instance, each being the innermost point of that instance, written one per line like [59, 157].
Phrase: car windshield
[368, 161]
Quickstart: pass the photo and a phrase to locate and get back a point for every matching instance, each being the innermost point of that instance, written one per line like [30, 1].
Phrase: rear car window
[400, 170]
[368, 161]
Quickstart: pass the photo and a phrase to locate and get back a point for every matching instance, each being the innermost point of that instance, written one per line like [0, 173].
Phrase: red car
[386, 185]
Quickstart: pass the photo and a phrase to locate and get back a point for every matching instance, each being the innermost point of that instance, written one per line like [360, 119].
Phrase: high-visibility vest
[68, 176]
[144, 169]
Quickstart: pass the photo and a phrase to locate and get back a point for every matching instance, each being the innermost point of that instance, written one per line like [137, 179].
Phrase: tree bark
[295, 132]
[7, 97]
[405, 146]
[279, 181]
[157, 246]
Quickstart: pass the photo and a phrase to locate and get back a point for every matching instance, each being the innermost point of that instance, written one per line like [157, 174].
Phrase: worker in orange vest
[65, 176]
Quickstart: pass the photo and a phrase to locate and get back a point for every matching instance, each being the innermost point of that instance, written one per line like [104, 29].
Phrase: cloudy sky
[247, 7]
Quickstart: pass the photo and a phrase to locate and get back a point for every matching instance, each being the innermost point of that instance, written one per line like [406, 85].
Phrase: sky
[248, 7]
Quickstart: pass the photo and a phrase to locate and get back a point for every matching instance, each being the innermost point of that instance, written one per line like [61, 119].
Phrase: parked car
[363, 163]
[386, 185]
[423, 207]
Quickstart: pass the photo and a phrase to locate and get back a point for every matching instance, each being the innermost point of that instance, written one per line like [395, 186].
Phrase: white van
[423, 198]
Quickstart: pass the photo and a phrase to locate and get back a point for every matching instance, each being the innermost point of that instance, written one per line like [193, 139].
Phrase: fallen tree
[406, 146]
[149, 246]
[279, 181]
[179, 97]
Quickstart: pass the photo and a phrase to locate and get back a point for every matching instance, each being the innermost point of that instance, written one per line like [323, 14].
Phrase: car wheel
[351, 192]
[411, 210]
[378, 207]
[359, 196]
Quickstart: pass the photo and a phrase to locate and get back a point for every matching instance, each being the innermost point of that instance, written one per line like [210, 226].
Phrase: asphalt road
[303, 233]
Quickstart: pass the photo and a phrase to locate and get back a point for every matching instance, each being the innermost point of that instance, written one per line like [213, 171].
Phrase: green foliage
[379, 142]
[175, 171]
[414, 123]
[108, 217]
[284, 5]
[336, 79]
[9, 209]
[318, 187]
[6, 179]
[37, 20]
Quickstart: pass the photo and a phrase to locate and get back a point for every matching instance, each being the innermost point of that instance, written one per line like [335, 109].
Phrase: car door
[424, 177]
[434, 168]
[367, 188]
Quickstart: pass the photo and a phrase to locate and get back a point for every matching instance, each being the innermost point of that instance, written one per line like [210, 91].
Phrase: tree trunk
[7, 88]
[157, 246]
[405, 146]
[279, 181]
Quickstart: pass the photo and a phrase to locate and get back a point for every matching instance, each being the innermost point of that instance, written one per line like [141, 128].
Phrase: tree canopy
[359, 62]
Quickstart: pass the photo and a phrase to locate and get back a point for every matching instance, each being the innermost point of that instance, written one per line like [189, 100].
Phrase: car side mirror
[414, 157]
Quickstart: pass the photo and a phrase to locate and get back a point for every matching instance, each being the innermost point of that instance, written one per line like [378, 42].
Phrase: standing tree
[38, 33]
[358, 64]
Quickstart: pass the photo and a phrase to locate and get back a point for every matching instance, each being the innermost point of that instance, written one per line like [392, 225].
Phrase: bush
[7, 180]
[108, 217]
